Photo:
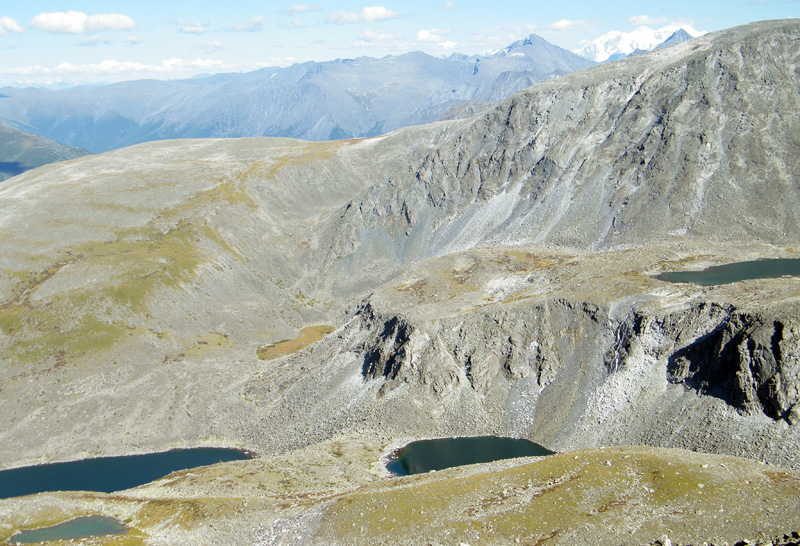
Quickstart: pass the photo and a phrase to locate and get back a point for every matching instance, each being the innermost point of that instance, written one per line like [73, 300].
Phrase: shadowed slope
[20, 152]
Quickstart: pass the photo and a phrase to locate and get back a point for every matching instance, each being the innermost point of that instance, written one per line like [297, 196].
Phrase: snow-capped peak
[623, 43]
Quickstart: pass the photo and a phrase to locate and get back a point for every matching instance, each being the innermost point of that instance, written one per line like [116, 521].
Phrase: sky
[69, 42]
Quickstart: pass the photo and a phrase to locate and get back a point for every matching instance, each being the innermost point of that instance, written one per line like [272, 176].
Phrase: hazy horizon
[105, 42]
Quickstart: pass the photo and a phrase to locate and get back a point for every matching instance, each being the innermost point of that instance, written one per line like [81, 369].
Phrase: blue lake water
[77, 528]
[108, 474]
[426, 455]
[736, 272]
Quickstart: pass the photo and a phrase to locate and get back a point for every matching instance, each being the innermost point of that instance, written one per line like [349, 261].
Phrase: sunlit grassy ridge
[630, 490]
[88, 297]
[95, 314]
[308, 335]
[626, 495]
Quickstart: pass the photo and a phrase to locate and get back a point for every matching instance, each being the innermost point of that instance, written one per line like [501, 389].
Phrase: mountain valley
[324, 303]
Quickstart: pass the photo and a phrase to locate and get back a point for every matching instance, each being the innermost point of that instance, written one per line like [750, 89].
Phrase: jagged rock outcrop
[749, 360]
[592, 374]
[484, 351]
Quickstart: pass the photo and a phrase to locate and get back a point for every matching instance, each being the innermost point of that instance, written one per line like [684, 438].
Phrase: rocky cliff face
[749, 360]
[657, 151]
[483, 351]
[650, 149]
[569, 371]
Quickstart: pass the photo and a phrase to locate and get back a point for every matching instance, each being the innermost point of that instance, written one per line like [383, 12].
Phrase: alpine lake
[104, 474]
[736, 272]
[437, 454]
[74, 529]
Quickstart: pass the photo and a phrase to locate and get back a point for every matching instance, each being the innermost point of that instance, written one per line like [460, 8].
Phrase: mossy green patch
[675, 265]
[187, 514]
[303, 301]
[184, 513]
[440, 285]
[633, 493]
[466, 273]
[109, 206]
[208, 344]
[230, 191]
[311, 151]
[519, 261]
[83, 300]
[133, 538]
[308, 335]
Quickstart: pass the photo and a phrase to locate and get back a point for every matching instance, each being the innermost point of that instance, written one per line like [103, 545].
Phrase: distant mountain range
[20, 152]
[617, 45]
[338, 99]
[313, 101]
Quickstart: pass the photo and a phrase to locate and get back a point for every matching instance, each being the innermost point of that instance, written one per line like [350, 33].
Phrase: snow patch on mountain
[617, 44]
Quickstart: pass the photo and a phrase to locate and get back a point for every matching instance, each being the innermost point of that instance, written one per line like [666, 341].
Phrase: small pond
[426, 455]
[108, 474]
[83, 527]
[735, 272]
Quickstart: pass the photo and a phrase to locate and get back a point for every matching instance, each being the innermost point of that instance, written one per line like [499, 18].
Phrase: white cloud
[132, 40]
[254, 24]
[94, 41]
[569, 24]
[294, 23]
[215, 46]
[647, 20]
[437, 36]
[191, 28]
[375, 35]
[77, 22]
[302, 8]
[448, 5]
[343, 18]
[369, 14]
[433, 35]
[196, 28]
[110, 67]
[508, 33]
[7, 24]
